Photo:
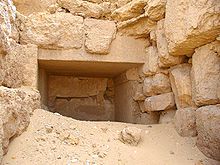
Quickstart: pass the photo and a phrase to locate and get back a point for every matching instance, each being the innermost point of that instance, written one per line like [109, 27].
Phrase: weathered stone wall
[82, 98]
[18, 78]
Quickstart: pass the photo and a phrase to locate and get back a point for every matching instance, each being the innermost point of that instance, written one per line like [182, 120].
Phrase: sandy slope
[88, 143]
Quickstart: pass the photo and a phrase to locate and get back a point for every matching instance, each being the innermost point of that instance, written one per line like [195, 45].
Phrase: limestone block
[99, 35]
[141, 105]
[151, 65]
[155, 9]
[138, 27]
[125, 106]
[156, 84]
[208, 127]
[130, 10]
[165, 59]
[148, 118]
[181, 85]
[138, 95]
[206, 74]
[83, 87]
[7, 28]
[167, 116]
[132, 74]
[84, 8]
[153, 36]
[159, 102]
[27, 7]
[120, 3]
[185, 122]
[190, 24]
[81, 97]
[15, 105]
[53, 31]
[30, 98]
[20, 66]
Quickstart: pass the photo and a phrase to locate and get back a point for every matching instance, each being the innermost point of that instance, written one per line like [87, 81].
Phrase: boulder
[208, 127]
[165, 59]
[131, 10]
[83, 8]
[20, 66]
[16, 106]
[181, 85]
[52, 31]
[155, 9]
[206, 74]
[189, 25]
[156, 84]
[185, 122]
[159, 102]
[138, 27]
[99, 35]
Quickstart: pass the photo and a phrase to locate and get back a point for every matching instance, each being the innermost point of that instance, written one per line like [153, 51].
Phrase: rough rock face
[16, 106]
[206, 74]
[165, 59]
[181, 85]
[185, 122]
[208, 127]
[130, 10]
[7, 17]
[190, 24]
[83, 8]
[27, 7]
[157, 84]
[167, 116]
[138, 27]
[147, 118]
[99, 35]
[160, 102]
[151, 65]
[83, 98]
[53, 31]
[20, 67]
[155, 9]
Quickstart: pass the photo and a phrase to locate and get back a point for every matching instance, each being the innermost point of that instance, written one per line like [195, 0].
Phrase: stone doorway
[88, 91]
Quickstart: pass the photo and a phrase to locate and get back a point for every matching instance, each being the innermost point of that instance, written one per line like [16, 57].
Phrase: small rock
[49, 128]
[130, 135]
[171, 152]
[104, 129]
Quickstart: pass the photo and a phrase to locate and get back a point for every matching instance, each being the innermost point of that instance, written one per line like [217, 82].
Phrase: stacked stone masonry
[177, 79]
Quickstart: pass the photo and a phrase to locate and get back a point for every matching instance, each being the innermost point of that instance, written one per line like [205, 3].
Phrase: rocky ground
[53, 139]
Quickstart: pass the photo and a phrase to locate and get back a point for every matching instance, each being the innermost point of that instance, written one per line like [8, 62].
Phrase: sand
[52, 139]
